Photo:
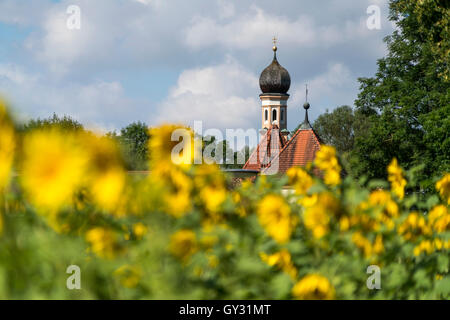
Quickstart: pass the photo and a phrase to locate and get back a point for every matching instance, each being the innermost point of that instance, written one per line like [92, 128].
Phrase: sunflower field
[181, 231]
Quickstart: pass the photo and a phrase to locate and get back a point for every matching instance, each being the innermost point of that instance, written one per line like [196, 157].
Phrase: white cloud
[336, 78]
[252, 29]
[155, 3]
[146, 32]
[222, 96]
[336, 86]
[98, 104]
[62, 49]
[248, 30]
[20, 13]
[16, 75]
[226, 9]
[126, 33]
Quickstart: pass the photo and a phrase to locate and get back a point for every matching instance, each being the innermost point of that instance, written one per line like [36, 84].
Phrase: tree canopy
[338, 128]
[134, 142]
[407, 102]
[64, 123]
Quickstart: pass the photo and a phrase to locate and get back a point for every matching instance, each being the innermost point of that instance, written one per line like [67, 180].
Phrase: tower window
[282, 115]
[266, 115]
[274, 115]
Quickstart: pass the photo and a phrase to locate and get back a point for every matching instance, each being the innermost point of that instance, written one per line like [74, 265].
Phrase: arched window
[266, 115]
[282, 115]
[274, 115]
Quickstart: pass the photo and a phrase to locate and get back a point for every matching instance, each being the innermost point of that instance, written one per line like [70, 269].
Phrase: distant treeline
[133, 141]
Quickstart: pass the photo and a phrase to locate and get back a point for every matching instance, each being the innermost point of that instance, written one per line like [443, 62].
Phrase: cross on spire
[274, 40]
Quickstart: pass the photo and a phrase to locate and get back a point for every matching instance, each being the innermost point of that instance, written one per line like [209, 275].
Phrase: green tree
[339, 128]
[134, 143]
[408, 100]
[64, 123]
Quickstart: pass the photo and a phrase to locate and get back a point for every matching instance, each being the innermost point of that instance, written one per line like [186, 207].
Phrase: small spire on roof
[306, 106]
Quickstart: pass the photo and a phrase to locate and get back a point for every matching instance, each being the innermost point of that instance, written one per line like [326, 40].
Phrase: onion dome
[275, 78]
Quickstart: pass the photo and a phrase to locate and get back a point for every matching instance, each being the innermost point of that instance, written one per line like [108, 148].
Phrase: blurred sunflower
[300, 180]
[171, 145]
[54, 166]
[183, 244]
[139, 230]
[107, 176]
[395, 177]
[103, 242]
[366, 246]
[177, 187]
[210, 183]
[281, 260]
[318, 211]
[129, 276]
[439, 219]
[386, 208]
[328, 163]
[443, 186]
[275, 216]
[7, 145]
[313, 287]
[413, 226]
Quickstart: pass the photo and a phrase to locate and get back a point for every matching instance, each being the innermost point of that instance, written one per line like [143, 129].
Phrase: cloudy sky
[182, 60]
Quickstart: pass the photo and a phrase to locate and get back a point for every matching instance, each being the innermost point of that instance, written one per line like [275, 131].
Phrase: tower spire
[306, 106]
[274, 82]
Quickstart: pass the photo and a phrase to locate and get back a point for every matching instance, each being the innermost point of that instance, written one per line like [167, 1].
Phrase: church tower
[274, 83]
[276, 152]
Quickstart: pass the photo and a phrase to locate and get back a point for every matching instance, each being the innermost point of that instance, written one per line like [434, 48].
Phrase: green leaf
[432, 201]
[422, 279]
[443, 287]
[394, 277]
[375, 184]
[280, 286]
[443, 263]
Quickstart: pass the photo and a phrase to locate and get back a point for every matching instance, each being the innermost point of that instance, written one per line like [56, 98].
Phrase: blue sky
[179, 61]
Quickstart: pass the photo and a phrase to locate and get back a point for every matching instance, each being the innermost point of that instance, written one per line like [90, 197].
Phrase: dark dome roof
[275, 78]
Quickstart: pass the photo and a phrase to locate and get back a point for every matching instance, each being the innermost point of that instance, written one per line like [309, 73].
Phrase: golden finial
[274, 40]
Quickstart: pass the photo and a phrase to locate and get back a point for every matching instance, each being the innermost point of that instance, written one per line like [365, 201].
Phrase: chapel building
[278, 150]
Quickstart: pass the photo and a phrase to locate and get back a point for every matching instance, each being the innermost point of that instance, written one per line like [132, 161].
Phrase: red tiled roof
[269, 147]
[298, 151]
